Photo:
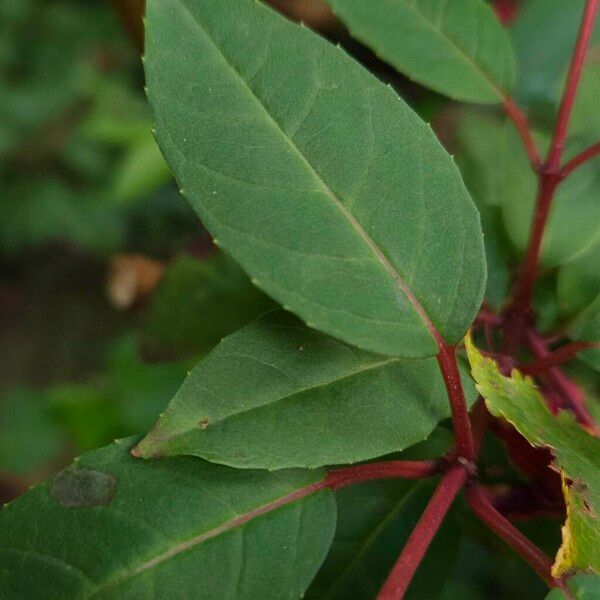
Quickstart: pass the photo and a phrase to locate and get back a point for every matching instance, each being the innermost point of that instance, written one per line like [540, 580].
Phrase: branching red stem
[571, 396]
[422, 535]
[521, 123]
[504, 529]
[460, 416]
[546, 359]
[549, 173]
[392, 469]
[579, 160]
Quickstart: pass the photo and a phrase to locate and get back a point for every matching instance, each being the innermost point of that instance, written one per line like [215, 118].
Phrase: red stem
[422, 535]
[519, 119]
[487, 317]
[392, 469]
[563, 354]
[339, 478]
[570, 91]
[505, 530]
[580, 159]
[549, 174]
[561, 383]
[524, 291]
[460, 417]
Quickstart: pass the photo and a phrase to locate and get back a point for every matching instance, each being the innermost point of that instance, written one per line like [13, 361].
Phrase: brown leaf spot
[203, 424]
[83, 487]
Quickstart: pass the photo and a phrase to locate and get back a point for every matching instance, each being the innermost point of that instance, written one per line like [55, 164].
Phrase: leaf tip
[136, 452]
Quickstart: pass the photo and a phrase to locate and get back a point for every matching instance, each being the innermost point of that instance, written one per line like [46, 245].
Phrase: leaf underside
[320, 181]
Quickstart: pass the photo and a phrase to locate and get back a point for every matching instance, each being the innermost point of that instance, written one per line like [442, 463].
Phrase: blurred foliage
[77, 157]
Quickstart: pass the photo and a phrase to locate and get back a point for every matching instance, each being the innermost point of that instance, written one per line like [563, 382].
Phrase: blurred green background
[109, 287]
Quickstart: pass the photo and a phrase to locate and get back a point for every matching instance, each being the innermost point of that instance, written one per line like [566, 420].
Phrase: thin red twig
[504, 529]
[557, 357]
[571, 395]
[460, 416]
[549, 173]
[579, 160]
[570, 92]
[521, 123]
[422, 535]
[401, 469]
[487, 317]
[524, 291]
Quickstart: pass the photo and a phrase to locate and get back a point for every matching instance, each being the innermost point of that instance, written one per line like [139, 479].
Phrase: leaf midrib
[287, 396]
[238, 521]
[380, 256]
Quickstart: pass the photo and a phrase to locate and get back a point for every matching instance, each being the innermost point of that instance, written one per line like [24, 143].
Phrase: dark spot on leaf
[203, 424]
[83, 487]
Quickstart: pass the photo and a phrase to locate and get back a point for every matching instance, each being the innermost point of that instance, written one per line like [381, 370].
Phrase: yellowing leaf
[577, 453]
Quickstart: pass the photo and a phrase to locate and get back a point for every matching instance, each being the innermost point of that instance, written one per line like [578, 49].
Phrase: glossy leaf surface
[314, 176]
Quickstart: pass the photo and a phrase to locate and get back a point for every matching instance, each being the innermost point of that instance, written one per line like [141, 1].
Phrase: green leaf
[578, 283]
[584, 121]
[573, 222]
[582, 587]
[317, 178]
[455, 47]
[374, 522]
[140, 390]
[114, 527]
[587, 328]
[277, 394]
[198, 303]
[578, 289]
[543, 37]
[142, 170]
[577, 454]
[483, 144]
[481, 157]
